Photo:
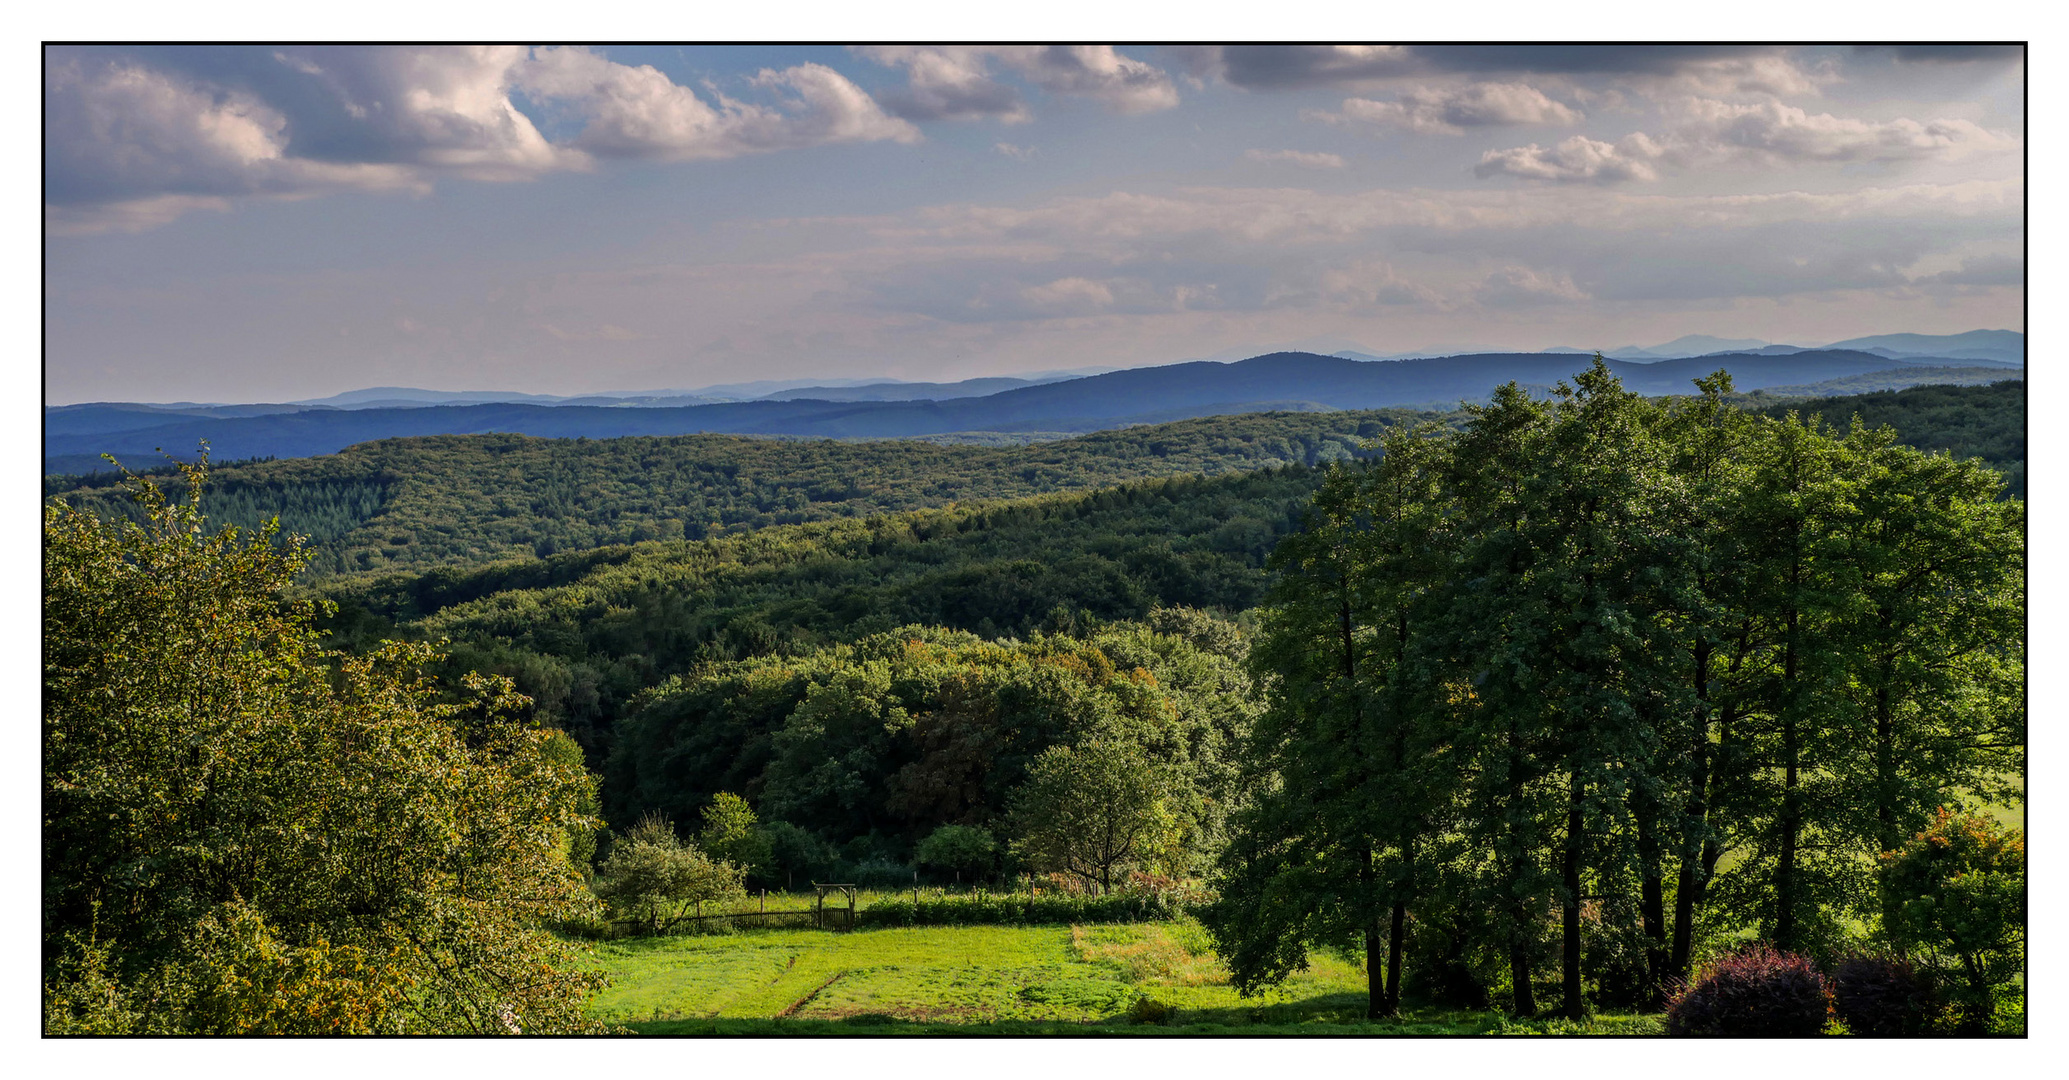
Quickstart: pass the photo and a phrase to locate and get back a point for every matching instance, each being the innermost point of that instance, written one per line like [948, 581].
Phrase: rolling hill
[1274, 382]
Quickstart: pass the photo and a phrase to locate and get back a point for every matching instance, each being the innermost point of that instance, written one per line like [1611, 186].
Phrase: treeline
[854, 754]
[583, 633]
[1553, 702]
[460, 499]
[1987, 423]
[415, 503]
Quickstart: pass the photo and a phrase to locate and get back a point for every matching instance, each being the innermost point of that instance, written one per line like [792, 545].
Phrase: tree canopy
[246, 834]
[1595, 671]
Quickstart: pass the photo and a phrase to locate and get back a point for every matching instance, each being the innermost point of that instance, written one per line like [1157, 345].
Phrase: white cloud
[946, 83]
[1450, 111]
[1770, 134]
[1123, 221]
[1068, 294]
[954, 82]
[1576, 160]
[639, 112]
[1094, 71]
[1521, 286]
[1017, 153]
[129, 215]
[130, 146]
[1777, 134]
[444, 107]
[1351, 285]
[1301, 158]
[1767, 73]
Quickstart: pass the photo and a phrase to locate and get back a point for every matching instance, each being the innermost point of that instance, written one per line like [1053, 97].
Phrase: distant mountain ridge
[1276, 381]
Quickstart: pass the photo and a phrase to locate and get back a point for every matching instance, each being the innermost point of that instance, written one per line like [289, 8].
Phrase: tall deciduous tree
[1329, 844]
[1092, 811]
[244, 834]
[1593, 657]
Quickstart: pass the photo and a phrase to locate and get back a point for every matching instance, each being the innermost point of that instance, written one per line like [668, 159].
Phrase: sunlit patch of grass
[1149, 953]
[1004, 980]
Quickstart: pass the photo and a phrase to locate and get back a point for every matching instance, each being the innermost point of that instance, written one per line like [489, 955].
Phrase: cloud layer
[1450, 111]
[1765, 134]
[996, 209]
[131, 145]
[956, 82]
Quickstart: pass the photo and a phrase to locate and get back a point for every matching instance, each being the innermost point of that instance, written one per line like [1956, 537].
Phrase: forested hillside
[459, 499]
[1985, 422]
[868, 682]
[584, 633]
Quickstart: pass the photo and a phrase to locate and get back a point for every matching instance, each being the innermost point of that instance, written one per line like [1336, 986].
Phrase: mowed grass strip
[992, 979]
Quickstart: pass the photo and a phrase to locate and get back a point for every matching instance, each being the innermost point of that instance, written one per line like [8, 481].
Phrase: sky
[252, 223]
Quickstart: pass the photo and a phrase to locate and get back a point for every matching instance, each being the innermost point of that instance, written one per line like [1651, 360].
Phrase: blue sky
[251, 223]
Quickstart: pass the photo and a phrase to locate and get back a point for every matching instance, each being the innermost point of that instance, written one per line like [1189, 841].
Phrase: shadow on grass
[1340, 1014]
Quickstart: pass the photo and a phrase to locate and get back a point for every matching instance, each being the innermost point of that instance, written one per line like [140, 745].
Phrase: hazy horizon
[253, 224]
[761, 386]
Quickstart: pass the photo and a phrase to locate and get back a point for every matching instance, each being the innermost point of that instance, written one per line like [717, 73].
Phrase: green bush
[1148, 1010]
[651, 878]
[1955, 897]
[797, 855]
[1008, 909]
[958, 848]
[1882, 996]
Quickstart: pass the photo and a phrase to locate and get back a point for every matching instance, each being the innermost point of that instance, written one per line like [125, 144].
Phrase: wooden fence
[819, 915]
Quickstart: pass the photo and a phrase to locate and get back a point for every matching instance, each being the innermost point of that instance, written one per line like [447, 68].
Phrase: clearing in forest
[1012, 979]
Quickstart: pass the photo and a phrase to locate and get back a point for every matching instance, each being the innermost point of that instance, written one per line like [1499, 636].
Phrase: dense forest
[1987, 423]
[1631, 675]
[584, 633]
[1624, 681]
[462, 499]
[458, 499]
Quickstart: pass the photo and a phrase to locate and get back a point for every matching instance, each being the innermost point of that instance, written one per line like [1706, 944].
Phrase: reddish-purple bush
[1878, 995]
[1755, 991]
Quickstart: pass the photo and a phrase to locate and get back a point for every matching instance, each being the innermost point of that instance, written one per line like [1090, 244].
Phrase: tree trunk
[1975, 1013]
[1375, 985]
[1688, 884]
[1569, 881]
[1652, 909]
[1519, 976]
[1396, 933]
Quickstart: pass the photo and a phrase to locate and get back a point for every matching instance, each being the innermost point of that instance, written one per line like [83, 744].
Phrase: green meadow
[1145, 978]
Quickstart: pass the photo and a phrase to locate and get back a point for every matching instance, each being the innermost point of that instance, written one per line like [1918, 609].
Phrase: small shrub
[1148, 1010]
[1756, 991]
[1882, 996]
[957, 848]
[995, 909]
[1954, 896]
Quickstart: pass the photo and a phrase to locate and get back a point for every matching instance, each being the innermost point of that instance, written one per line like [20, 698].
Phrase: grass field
[1005, 980]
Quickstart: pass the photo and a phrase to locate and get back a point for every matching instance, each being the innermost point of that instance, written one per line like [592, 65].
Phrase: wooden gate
[844, 916]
